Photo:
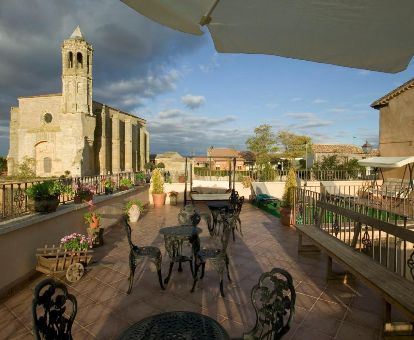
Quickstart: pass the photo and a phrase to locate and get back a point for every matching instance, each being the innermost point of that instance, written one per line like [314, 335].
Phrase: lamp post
[367, 148]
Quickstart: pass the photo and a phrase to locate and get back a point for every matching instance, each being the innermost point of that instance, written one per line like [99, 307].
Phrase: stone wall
[19, 238]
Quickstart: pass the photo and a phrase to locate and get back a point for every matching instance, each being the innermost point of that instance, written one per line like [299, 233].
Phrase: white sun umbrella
[369, 34]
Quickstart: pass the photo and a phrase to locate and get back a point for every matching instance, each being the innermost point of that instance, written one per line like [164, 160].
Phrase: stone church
[69, 131]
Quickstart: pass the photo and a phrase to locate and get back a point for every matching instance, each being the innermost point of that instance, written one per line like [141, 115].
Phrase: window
[70, 60]
[47, 165]
[48, 117]
[79, 60]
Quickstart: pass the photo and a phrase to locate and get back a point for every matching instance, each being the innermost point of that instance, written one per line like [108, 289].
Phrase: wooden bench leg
[331, 275]
[306, 248]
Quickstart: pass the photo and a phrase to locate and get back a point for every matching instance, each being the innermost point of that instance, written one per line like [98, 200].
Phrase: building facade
[396, 124]
[69, 131]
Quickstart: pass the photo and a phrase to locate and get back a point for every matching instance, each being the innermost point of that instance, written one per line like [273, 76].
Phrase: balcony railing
[14, 201]
[280, 176]
[382, 235]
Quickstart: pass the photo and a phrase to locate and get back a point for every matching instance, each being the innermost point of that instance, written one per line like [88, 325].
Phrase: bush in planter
[46, 195]
[133, 209]
[83, 192]
[140, 178]
[149, 166]
[109, 185]
[158, 194]
[288, 197]
[125, 184]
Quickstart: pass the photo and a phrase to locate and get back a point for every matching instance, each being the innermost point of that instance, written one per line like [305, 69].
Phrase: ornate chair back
[127, 228]
[225, 222]
[273, 299]
[49, 309]
[189, 215]
[233, 199]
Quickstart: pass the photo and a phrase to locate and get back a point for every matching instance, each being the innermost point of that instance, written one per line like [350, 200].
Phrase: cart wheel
[75, 272]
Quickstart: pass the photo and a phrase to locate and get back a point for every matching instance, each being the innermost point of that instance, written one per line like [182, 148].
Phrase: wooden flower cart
[53, 260]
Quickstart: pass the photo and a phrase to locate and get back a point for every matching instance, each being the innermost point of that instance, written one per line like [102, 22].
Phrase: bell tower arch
[77, 74]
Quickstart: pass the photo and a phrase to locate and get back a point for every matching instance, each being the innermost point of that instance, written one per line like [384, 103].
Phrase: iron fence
[382, 235]
[14, 201]
[280, 175]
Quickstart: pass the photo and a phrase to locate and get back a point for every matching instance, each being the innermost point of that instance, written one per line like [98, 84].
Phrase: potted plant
[125, 184]
[173, 197]
[158, 194]
[181, 179]
[76, 242]
[288, 198]
[46, 195]
[93, 219]
[108, 185]
[83, 193]
[140, 178]
[133, 209]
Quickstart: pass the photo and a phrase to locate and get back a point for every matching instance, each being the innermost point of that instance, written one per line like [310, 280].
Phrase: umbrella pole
[206, 18]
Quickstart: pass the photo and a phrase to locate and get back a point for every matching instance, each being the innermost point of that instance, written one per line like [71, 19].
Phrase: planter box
[46, 205]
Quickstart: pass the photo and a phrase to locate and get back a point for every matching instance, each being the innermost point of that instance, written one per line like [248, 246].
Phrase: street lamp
[367, 148]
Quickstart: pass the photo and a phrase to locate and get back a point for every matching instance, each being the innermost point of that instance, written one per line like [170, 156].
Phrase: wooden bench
[355, 240]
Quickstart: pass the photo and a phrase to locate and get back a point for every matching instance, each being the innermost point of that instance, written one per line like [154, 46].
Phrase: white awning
[371, 34]
[386, 162]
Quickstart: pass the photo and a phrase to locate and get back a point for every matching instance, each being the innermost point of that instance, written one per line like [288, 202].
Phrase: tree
[262, 144]
[161, 165]
[149, 166]
[26, 169]
[293, 145]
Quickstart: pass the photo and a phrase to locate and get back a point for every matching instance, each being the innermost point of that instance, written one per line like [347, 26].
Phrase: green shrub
[126, 182]
[47, 189]
[268, 173]
[161, 165]
[157, 182]
[136, 202]
[289, 192]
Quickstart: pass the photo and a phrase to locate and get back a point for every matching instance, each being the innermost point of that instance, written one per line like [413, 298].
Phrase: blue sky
[191, 96]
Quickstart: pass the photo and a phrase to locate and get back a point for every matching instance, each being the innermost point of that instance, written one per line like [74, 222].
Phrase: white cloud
[193, 102]
[211, 65]
[338, 109]
[318, 101]
[296, 99]
[306, 120]
[175, 129]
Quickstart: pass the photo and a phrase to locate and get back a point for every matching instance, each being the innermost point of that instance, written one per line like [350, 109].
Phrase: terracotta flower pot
[159, 199]
[286, 216]
[94, 224]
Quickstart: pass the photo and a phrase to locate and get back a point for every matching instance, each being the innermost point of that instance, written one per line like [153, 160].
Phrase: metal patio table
[177, 326]
[174, 238]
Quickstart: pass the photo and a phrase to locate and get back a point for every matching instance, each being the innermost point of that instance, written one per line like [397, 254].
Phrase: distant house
[173, 161]
[223, 156]
[344, 152]
[396, 123]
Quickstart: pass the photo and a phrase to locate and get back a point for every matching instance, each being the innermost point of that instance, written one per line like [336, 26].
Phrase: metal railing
[14, 201]
[385, 238]
[280, 176]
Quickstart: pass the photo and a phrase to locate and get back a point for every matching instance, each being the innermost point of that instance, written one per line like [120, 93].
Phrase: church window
[48, 117]
[87, 63]
[79, 59]
[70, 60]
[47, 165]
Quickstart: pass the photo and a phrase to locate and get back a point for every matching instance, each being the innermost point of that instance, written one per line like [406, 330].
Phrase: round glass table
[177, 326]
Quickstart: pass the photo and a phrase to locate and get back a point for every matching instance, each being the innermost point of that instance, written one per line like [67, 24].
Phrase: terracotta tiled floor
[324, 310]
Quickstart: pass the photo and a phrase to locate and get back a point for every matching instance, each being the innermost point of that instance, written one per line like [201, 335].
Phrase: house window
[70, 59]
[47, 165]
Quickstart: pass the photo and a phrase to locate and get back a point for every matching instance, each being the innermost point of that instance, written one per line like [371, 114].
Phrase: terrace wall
[20, 237]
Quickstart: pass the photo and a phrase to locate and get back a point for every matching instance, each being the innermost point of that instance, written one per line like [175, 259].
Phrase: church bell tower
[77, 74]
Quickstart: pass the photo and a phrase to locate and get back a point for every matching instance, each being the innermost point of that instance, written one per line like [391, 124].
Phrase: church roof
[77, 34]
